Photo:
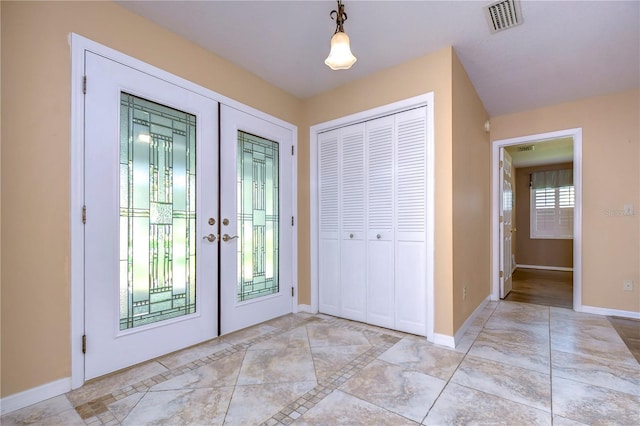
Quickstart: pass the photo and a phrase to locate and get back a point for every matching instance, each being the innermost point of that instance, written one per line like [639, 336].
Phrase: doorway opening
[536, 232]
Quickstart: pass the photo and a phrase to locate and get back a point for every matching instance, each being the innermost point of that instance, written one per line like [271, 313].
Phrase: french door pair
[188, 217]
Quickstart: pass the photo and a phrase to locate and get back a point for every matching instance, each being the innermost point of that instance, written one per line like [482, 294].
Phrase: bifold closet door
[353, 274]
[380, 140]
[329, 242]
[410, 223]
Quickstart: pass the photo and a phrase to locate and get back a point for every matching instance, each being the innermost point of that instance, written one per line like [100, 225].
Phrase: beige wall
[471, 199]
[35, 161]
[425, 74]
[611, 178]
[536, 251]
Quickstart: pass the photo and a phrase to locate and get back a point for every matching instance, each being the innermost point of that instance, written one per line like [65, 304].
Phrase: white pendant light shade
[340, 56]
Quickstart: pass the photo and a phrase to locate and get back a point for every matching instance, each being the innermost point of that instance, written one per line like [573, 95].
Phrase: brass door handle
[227, 237]
[211, 238]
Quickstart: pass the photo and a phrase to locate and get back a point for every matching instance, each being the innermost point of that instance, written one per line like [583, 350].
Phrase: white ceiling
[563, 51]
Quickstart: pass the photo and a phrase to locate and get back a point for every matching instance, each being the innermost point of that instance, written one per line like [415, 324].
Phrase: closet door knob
[378, 236]
[350, 235]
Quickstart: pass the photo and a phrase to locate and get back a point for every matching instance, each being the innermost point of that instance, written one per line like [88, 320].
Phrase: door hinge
[501, 274]
[84, 84]
[84, 214]
[500, 163]
[292, 221]
[292, 295]
[292, 150]
[84, 343]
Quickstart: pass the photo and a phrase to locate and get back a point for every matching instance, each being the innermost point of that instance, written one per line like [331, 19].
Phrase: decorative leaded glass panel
[157, 212]
[258, 216]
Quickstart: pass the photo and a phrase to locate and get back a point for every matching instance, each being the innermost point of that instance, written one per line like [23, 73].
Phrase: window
[552, 202]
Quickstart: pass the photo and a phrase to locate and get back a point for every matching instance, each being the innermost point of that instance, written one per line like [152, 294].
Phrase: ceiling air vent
[503, 15]
[526, 148]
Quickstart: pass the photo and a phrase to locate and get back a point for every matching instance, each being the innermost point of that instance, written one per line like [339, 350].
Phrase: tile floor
[519, 364]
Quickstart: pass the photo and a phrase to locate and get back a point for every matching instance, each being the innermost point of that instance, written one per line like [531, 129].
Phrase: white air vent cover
[503, 15]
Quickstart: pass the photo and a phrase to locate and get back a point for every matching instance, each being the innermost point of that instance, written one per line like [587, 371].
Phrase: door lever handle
[211, 238]
[227, 237]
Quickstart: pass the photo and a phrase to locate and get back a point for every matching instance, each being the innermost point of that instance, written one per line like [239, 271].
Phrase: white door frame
[576, 135]
[79, 45]
[415, 102]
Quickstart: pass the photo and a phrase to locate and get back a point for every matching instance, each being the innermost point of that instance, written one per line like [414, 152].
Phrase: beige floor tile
[563, 421]
[606, 351]
[254, 404]
[321, 334]
[339, 408]
[419, 355]
[329, 359]
[122, 408]
[247, 334]
[293, 339]
[460, 405]
[107, 384]
[595, 371]
[405, 392]
[498, 347]
[222, 373]
[516, 384]
[41, 412]
[594, 405]
[193, 353]
[277, 366]
[181, 407]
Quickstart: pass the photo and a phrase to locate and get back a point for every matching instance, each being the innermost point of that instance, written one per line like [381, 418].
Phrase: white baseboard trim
[609, 312]
[548, 268]
[306, 308]
[450, 341]
[31, 396]
[462, 330]
[444, 340]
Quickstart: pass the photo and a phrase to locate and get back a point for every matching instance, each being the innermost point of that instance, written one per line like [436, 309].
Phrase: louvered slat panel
[328, 183]
[380, 177]
[353, 179]
[411, 172]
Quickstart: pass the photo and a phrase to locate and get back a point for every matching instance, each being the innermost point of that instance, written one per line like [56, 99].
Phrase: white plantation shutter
[552, 203]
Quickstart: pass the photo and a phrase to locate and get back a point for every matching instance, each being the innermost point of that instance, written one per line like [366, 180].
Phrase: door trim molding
[79, 45]
[427, 100]
[576, 135]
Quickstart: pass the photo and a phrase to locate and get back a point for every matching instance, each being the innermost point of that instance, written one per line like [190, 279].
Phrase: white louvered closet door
[353, 277]
[410, 230]
[380, 141]
[329, 243]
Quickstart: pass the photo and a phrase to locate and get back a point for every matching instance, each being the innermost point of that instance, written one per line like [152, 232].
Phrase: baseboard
[609, 312]
[306, 308]
[450, 341]
[462, 330]
[31, 396]
[444, 340]
[548, 268]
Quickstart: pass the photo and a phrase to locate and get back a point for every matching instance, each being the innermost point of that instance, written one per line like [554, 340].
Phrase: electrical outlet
[627, 285]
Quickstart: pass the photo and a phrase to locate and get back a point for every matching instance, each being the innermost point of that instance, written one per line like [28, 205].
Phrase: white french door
[151, 196]
[256, 228]
[506, 228]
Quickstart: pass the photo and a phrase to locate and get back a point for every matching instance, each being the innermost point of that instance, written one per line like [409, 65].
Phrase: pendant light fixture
[340, 56]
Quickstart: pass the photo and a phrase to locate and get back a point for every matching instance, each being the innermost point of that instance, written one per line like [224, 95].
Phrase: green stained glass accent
[157, 212]
[258, 216]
